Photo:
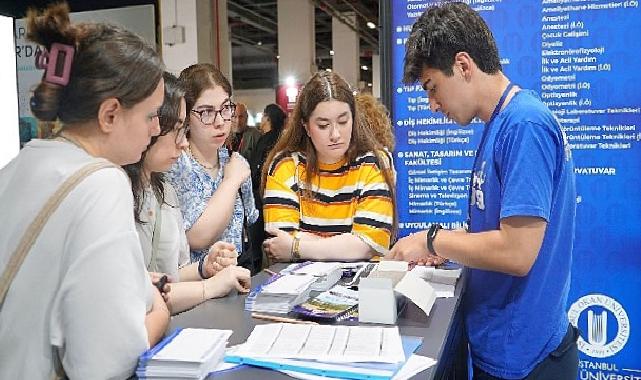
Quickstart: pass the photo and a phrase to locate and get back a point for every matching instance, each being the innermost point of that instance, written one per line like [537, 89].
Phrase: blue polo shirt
[524, 168]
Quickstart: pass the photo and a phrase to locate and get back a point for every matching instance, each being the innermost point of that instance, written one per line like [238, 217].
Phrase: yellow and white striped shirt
[345, 198]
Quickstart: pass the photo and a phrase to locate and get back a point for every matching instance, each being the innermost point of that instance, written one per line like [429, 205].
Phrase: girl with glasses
[213, 186]
[160, 222]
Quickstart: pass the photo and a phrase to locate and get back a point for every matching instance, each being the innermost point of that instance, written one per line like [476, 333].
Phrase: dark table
[442, 331]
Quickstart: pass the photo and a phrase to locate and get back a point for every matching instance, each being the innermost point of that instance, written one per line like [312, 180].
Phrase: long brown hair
[321, 87]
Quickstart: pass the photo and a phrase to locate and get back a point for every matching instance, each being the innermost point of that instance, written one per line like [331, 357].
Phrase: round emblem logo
[604, 321]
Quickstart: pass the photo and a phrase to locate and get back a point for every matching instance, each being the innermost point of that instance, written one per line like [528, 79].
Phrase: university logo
[603, 321]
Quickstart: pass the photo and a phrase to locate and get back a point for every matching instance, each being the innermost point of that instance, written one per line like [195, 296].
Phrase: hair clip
[56, 63]
[42, 59]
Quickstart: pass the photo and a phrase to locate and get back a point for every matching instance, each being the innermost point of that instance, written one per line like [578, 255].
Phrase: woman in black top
[271, 125]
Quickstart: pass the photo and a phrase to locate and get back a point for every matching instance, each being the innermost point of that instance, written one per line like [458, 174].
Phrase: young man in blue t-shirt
[522, 206]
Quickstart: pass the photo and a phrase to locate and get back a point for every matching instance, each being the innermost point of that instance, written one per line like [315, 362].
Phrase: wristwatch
[431, 235]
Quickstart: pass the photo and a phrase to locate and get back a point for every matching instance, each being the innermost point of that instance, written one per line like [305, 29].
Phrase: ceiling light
[259, 43]
[331, 52]
[364, 67]
[371, 25]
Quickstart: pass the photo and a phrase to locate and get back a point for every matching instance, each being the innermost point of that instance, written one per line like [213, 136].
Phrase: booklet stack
[280, 293]
[326, 273]
[185, 354]
[337, 304]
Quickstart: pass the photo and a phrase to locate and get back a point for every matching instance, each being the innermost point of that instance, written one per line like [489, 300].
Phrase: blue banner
[583, 57]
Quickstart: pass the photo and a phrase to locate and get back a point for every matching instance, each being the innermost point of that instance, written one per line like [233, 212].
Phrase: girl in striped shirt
[328, 185]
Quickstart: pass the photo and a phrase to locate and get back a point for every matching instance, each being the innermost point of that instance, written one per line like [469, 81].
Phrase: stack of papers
[340, 344]
[352, 352]
[185, 354]
[280, 293]
[327, 273]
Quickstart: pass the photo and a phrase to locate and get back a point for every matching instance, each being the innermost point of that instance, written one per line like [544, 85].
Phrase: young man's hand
[411, 248]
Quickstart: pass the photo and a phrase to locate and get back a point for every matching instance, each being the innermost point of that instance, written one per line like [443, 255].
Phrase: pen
[269, 272]
[161, 283]
[281, 319]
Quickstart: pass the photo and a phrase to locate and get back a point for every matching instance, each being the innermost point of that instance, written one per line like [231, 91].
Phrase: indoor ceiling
[254, 33]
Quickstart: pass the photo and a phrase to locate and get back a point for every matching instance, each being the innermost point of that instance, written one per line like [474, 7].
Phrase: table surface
[229, 313]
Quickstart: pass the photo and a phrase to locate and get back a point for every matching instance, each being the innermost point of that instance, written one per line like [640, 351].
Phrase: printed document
[333, 344]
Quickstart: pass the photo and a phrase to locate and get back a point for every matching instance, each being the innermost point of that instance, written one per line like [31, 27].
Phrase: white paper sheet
[393, 265]
[289, 284]
[418, 291]
[338, 344]
[442, 276]
[318, 268]
[193, 345]
[442, 290]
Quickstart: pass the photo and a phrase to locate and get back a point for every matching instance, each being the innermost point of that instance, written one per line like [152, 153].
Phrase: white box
[376, 301]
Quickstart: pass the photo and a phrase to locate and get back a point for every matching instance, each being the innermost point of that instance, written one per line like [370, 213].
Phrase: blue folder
[150, 353]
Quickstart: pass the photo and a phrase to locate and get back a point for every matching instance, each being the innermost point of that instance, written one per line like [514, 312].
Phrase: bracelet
[431, 235]
[296, 246]
[201, 262]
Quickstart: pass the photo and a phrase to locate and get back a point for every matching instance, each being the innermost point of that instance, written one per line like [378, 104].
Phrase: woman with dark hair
[75, 297]
[271, 125]
[213, 186]
[160, 223]
[329, 187]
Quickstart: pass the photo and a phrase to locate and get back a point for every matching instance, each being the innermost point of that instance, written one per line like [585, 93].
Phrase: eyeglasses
[208, 116]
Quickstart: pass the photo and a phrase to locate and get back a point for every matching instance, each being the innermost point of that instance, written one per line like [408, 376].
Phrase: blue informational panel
[584, 58]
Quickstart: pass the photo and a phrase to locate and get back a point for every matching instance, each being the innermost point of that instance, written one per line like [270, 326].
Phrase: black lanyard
[486, 132]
